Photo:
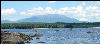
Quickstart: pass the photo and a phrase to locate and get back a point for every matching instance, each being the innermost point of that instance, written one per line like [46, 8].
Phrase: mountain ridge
[50, 18]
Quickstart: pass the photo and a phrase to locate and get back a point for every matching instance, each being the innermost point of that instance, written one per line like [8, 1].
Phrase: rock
[21, 42]
[27, 42]
[29, 38]
[32, 35]
[41, 42]
[16, 33]
[11, 38]
[37, 38]
[91, 32]
[37, 31]
[35, 35]
[58, 30]
[8, 42]
[38, 35]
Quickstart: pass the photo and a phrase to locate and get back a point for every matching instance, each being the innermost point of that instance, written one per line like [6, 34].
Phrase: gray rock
[58, 30]
[41, 42]
[91, 32]
[38, 35]
[10, 38]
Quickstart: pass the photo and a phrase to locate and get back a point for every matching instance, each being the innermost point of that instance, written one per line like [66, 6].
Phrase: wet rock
[27, 42]
[16, 33]
[32, 35]
[12, 38]
[41, 42]
[38, 35]
[91, 32]
[48, 37]
[58, 30]
[37, 38]
[29, 38]
[21, 42]
[80, 30]
[37, 31]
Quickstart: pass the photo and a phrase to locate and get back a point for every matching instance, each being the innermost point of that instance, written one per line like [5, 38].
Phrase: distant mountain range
[7, 21]
[50, 18]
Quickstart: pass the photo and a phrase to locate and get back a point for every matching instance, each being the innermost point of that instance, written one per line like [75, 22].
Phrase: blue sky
[80, 10]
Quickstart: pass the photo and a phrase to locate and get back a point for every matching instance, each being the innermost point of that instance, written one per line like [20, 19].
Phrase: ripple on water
[66, 36]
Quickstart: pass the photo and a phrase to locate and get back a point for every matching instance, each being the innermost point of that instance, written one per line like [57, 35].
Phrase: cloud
[95, 2]
[35, 11]
[81, 13]
[72, 11]
[51, 1]
[83, 19]
[8, 11]
[83, 4]
[98, 2]
[49, 10]
[23, 13]
[92, 8]
[12, 19]
[39, 11]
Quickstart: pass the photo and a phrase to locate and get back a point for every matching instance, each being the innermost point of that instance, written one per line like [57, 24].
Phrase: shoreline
[17, 37]
[95, 27]
[40, 28]
[46, 28]
[13, 37]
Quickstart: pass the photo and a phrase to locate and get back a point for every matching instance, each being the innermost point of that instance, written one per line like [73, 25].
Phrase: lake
[65, 36]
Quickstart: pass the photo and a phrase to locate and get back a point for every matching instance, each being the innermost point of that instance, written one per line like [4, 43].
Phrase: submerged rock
[91, 32]
[58, 30]
[38, 35]
[27, 42]
[32, 35]
[37, 31]
[41, 42]
[37, 38]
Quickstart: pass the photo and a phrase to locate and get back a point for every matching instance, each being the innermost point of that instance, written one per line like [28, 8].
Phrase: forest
[31, 25]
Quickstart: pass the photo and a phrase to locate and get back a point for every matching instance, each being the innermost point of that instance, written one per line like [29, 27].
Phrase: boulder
[91, 32]
[41, 42]
[37, 31]
[27, 42]
[37, 38]
[11, 38]
[32, 35]
[38, 35]
[58, 30]
[35, 35]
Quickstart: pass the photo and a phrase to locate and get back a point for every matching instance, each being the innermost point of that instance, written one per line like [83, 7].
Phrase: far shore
[41, 28]
[45, 28]
[95, 27]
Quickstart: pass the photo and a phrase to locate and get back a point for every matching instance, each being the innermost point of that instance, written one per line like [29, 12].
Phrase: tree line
[47, 25]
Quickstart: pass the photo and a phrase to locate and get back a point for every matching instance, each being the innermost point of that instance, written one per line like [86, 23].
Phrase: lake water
[66, 36]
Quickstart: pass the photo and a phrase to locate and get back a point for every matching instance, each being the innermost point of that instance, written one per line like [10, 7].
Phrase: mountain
[7, 21]
[50, 18]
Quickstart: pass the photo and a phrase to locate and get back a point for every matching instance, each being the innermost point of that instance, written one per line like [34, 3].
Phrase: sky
[80, 10]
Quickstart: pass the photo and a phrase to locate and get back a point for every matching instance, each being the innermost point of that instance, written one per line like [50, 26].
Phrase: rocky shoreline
[16, 38]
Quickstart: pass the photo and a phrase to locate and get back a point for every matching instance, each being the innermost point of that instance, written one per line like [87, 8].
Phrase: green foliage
[47, 25]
